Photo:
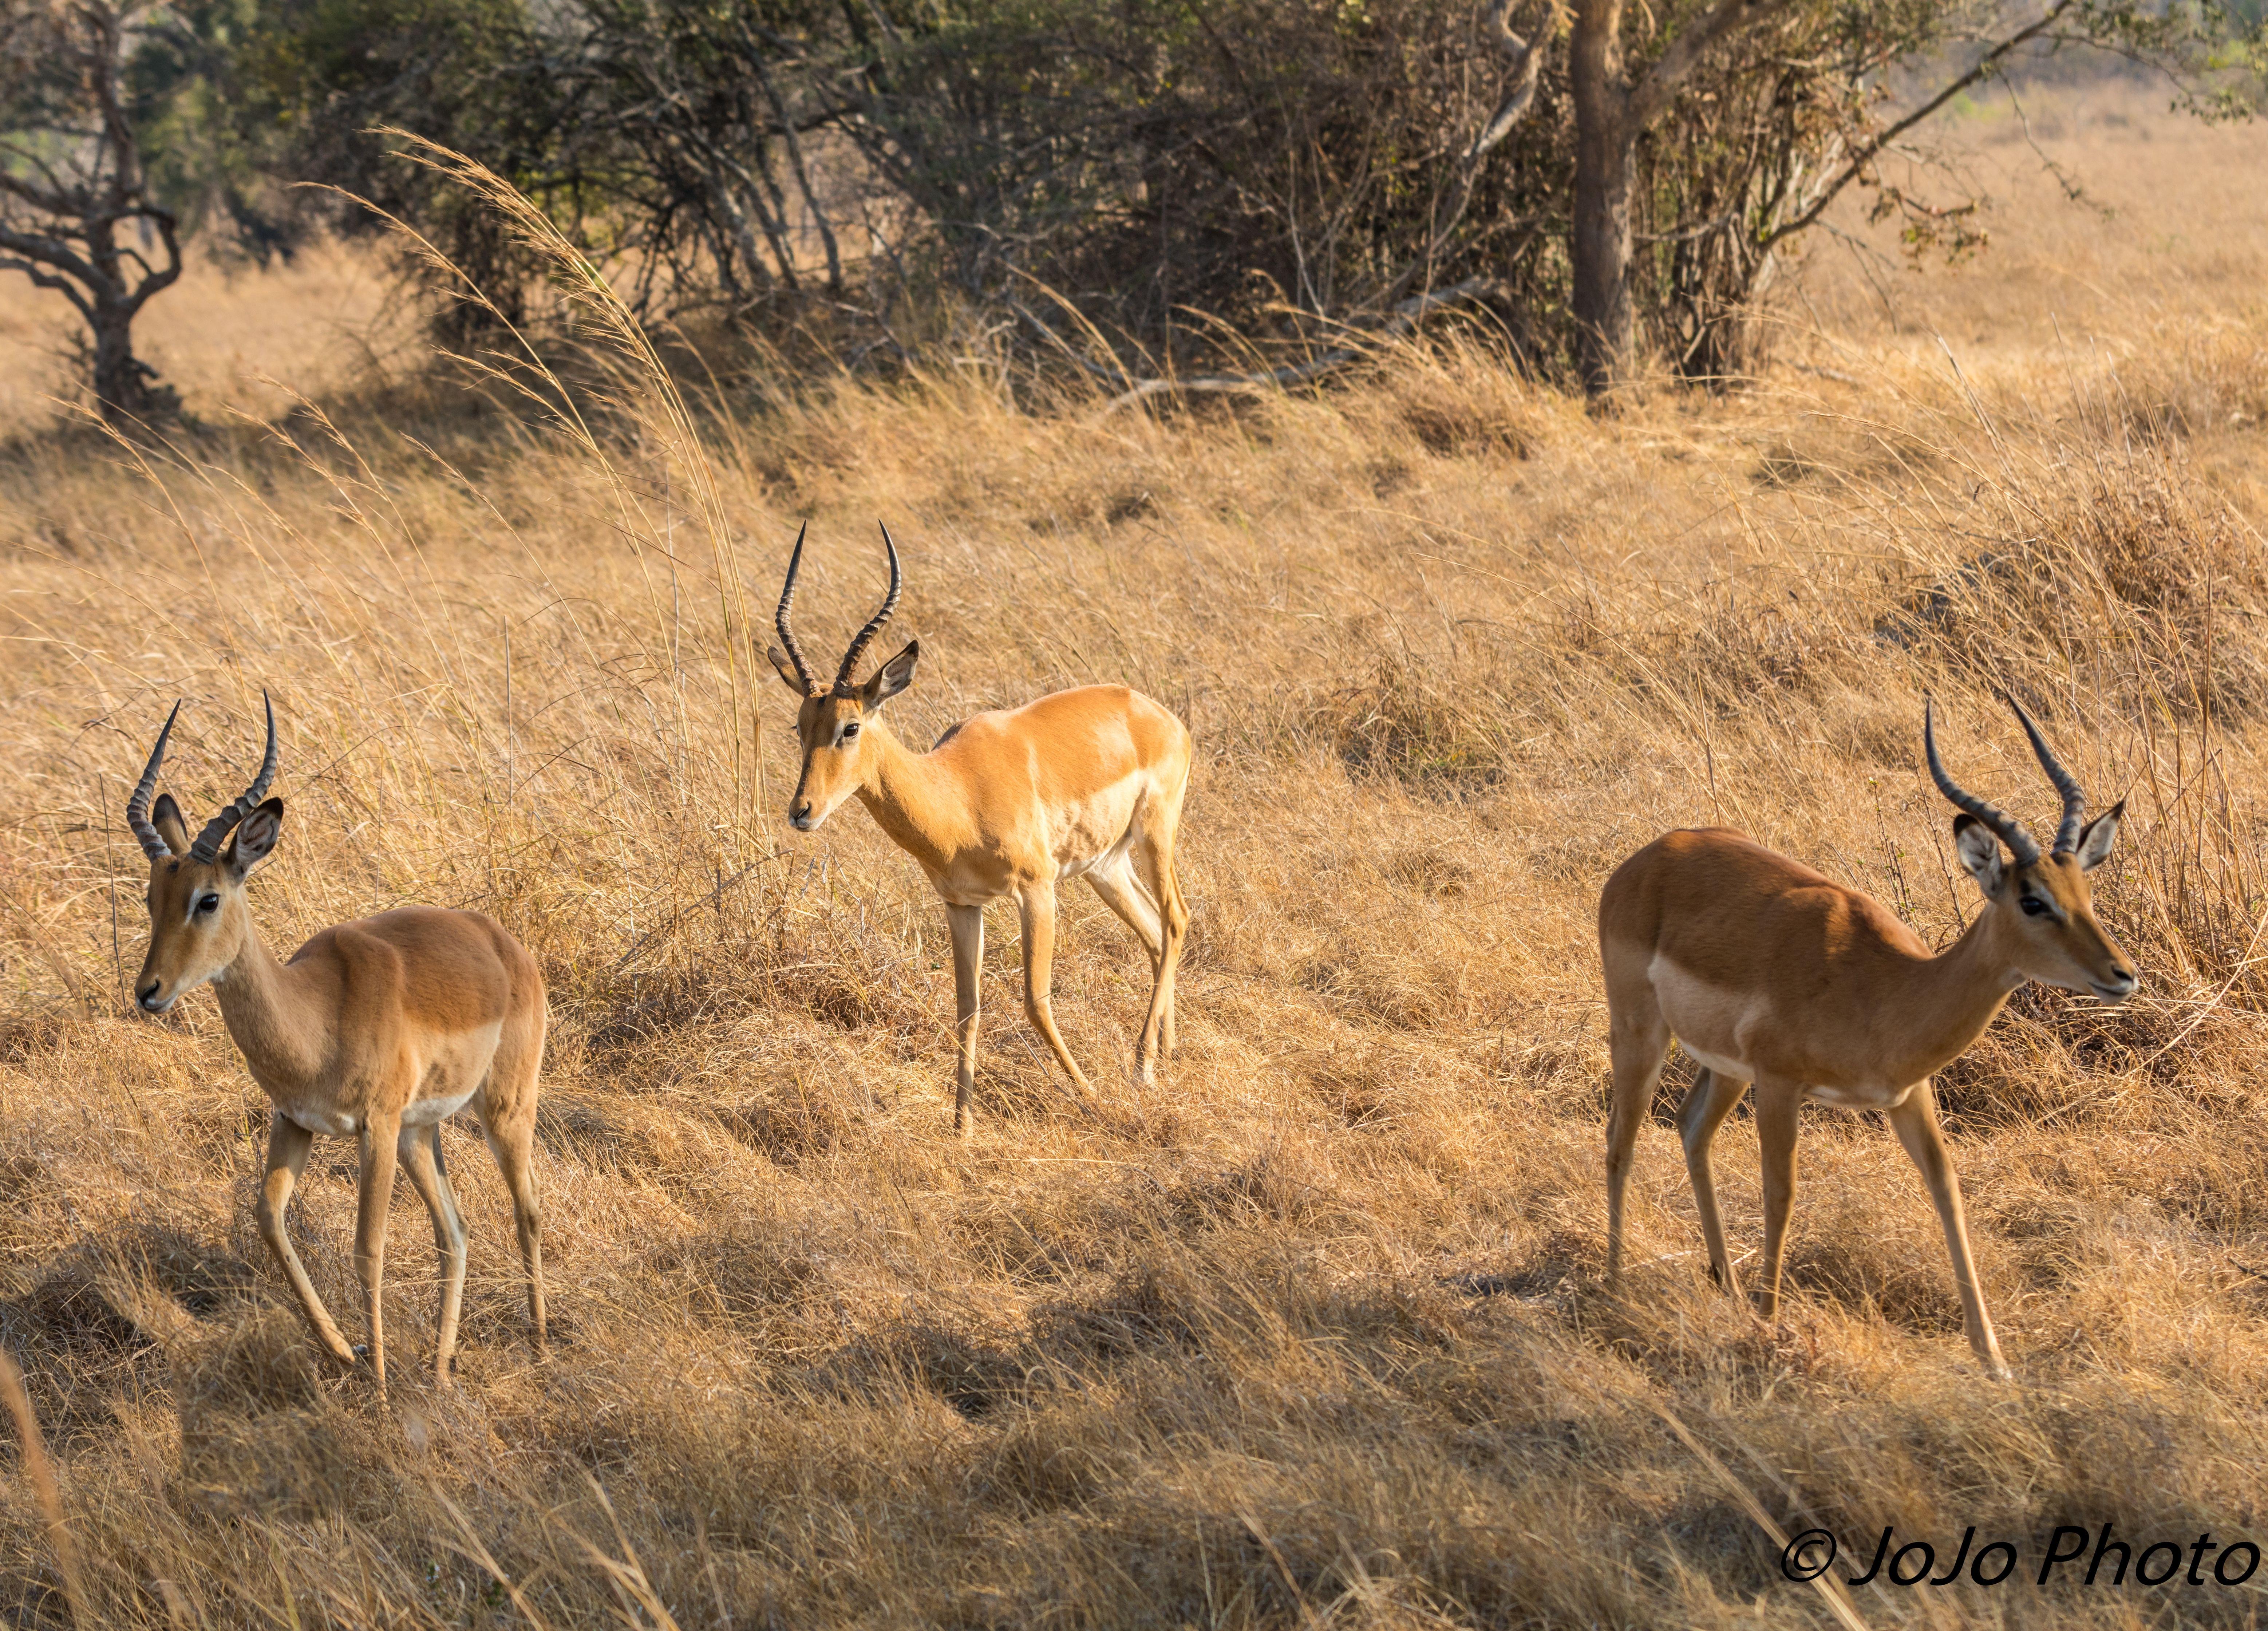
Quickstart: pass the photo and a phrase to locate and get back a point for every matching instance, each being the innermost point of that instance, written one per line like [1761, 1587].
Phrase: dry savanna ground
[1315, 1332]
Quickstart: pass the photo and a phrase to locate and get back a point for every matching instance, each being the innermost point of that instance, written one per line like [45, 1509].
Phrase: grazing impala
[1765, 972]
[381, 1030]
[1086, 783]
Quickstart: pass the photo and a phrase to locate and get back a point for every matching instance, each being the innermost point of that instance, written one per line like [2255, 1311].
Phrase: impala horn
[2075, 798]
[780, 617]
[207, 847]
[865, 637]
[2010, 833]
[137, 803]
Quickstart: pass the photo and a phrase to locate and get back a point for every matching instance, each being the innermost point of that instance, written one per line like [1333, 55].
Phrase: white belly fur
[1103, 863]
[1708, 1022]
[426, 1112]
[418, 1113]
[333, 1123]
[1867, 1097]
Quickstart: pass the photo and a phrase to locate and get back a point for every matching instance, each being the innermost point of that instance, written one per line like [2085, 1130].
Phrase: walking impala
[381, 1029]
[1084, 783]
[1765, 972]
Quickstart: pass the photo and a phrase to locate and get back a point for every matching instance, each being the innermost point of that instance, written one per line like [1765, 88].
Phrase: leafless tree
[76, 213]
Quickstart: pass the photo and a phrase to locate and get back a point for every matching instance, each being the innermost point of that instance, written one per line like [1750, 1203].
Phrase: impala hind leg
[1123, 893]
[288, 1144]
[1153, 855]
[378, 1137]
[967, 925]
[513, 1145]
[1710, 1100]
[506, 1107]
[1915, 1122]
[419, 1149]
[1638, 1038]
[1778, 1106]
[1038, 905]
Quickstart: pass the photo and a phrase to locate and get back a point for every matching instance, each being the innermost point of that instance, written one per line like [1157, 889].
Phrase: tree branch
[1527, 69]
[51, 252]
[1725, 19]
[153, 280]
[57, 199]
[1984, 67]
[49, 280]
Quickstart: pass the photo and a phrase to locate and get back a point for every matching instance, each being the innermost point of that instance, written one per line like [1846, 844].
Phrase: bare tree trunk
[121, 379]
[1606, 144]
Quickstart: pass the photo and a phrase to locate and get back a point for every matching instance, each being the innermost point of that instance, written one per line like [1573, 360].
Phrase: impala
[379, 1030]
[1009, 803]
[1765, 972]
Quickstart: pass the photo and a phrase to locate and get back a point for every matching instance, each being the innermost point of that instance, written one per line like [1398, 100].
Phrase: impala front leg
[967, 925]
[288, 1144]
[1915, 1122]
[378, 1134]
[1778, 1103]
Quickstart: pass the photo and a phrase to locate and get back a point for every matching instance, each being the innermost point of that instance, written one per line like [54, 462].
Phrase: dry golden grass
[1322, 1337]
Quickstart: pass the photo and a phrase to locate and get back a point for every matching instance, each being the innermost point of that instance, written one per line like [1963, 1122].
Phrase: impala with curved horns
[1009, 803]
[378, 1030]
[1765, 972]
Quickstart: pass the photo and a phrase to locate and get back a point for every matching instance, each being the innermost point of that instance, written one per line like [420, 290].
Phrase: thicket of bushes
[1138, 187]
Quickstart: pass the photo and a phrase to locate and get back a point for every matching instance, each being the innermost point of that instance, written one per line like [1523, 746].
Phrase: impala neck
[1954, 996]
[261, 1011]
[903, 790]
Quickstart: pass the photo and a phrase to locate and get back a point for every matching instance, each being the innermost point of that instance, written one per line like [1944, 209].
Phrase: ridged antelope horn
[137, 803]
[208, 844]
[2074, 797]
[2010, 833]
[780, 617]
[874, 624]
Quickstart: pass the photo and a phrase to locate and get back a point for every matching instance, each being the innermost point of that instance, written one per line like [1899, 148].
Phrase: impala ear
[1980, 849]
[2095, 839]
[788, 677]
[166, 818]
[891, 678]
[254, 836]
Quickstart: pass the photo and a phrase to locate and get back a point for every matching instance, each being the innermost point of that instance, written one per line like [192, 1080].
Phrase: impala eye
[2034, 907]
[208, 903]
[850, 730]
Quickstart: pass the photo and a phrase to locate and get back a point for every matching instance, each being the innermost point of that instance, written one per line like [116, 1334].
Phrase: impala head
[197, 911]
[833, 720]
[2046, 907]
